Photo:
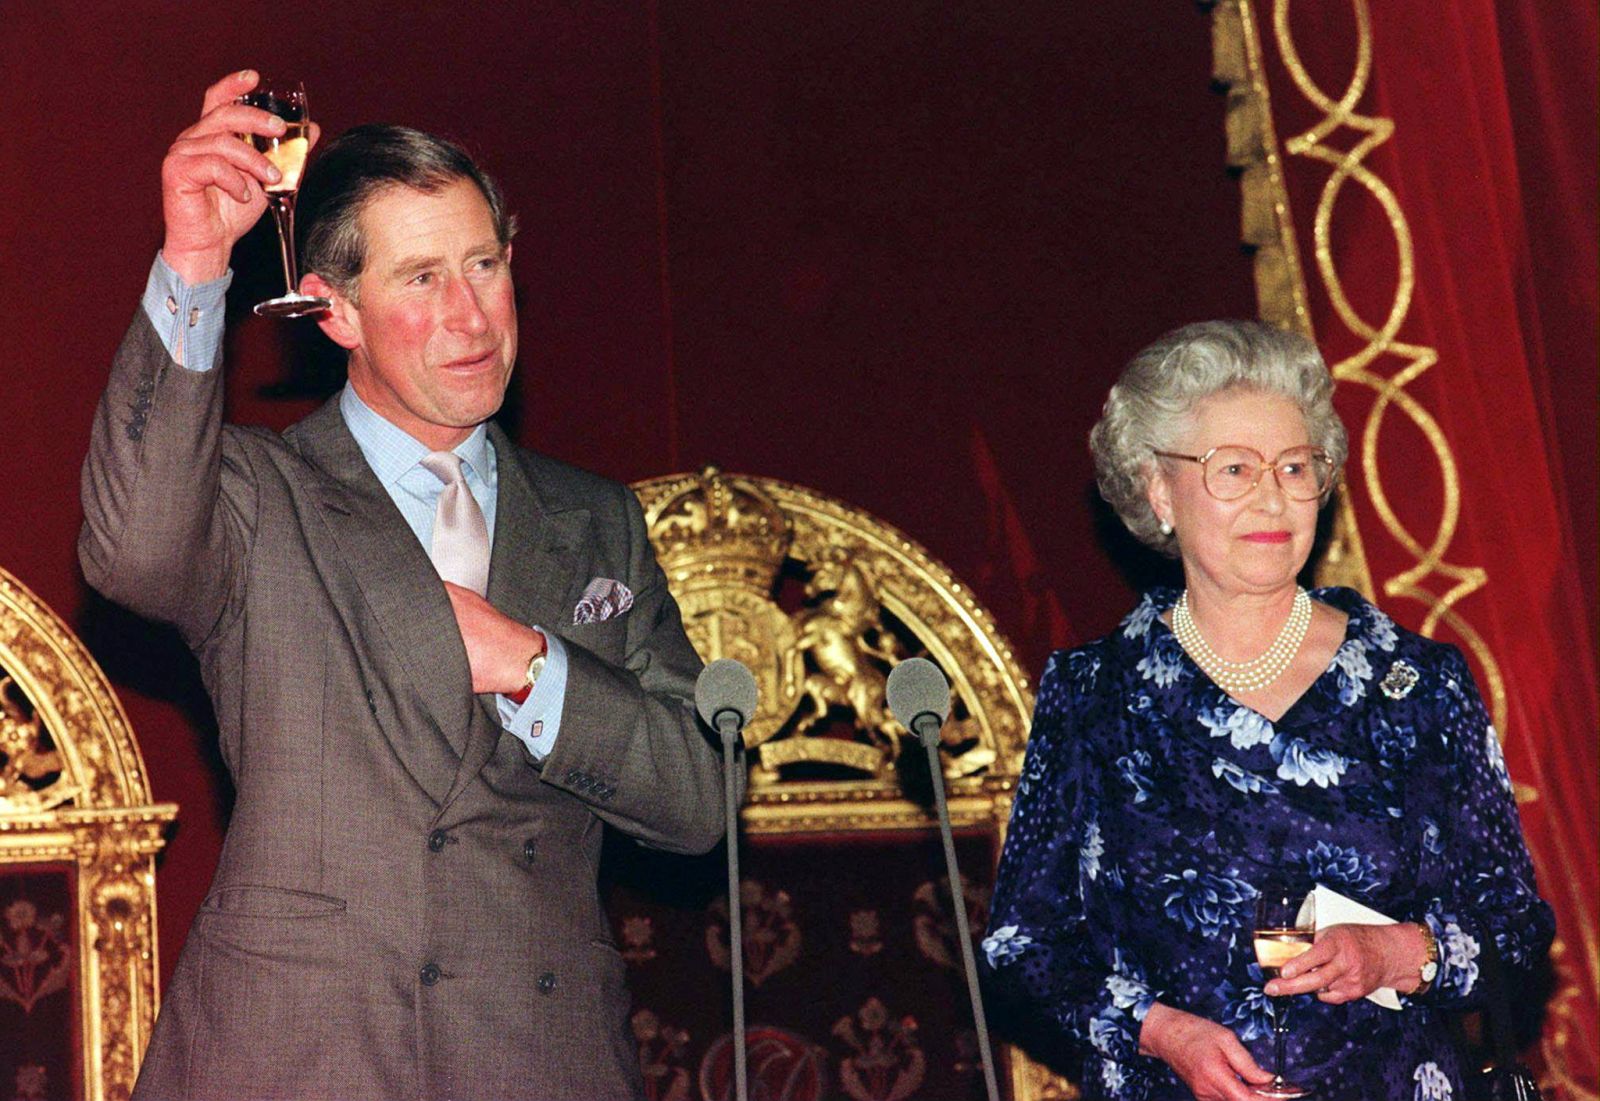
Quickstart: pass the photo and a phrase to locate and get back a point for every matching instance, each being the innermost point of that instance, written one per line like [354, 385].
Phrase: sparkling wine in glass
[287, 152]
[1285, 927]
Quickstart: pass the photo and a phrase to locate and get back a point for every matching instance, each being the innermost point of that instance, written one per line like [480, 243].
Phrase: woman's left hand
[1348, 962]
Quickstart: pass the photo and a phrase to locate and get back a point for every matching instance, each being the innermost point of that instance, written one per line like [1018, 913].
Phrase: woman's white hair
[1158, 391]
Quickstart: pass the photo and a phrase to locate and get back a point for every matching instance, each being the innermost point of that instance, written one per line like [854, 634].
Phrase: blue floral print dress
[1153, 806]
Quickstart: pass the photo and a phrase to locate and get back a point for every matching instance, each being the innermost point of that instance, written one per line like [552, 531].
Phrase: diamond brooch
[1399, 681]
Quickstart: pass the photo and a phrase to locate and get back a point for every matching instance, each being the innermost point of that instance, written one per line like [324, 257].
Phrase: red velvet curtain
[1492, 166]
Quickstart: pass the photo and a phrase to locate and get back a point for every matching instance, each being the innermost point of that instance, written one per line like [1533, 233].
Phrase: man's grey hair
[1151, 403]
[357, 166]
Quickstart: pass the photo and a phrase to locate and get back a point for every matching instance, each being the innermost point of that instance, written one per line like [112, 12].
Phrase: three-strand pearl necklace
[1244, 677]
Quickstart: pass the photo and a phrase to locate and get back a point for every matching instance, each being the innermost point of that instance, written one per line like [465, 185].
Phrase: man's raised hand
[212, 183]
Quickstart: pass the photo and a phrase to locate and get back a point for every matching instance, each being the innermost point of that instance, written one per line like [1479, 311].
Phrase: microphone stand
[728, 722]
[926, 727]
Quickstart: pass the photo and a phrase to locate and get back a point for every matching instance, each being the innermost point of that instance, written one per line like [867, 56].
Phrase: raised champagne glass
[1285, 927]
[287, 152]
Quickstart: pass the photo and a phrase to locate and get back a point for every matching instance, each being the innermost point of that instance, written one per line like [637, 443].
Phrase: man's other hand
[212, 182]
[498, 647]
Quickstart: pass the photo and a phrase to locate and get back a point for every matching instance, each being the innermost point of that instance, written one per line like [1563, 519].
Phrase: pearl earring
[1166, 528]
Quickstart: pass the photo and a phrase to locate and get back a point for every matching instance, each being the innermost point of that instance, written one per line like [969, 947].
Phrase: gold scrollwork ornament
[73, 792]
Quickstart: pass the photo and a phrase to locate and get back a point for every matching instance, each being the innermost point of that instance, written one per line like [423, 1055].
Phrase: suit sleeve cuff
[188, 319]
[537, 721]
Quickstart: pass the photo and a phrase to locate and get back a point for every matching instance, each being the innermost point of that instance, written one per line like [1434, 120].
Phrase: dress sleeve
[1042, 966]
[1489, 886]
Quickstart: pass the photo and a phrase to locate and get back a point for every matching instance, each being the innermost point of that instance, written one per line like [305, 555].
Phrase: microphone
[917, 689]
[726, 697]
[919, 696]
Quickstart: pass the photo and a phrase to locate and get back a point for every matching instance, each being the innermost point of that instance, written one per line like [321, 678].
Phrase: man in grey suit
[406, 902]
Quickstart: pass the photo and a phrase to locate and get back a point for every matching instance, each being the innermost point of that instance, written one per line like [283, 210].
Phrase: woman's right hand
[1208, 1057]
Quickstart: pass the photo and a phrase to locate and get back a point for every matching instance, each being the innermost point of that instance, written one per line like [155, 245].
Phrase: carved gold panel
[73, 793]
[821, 600]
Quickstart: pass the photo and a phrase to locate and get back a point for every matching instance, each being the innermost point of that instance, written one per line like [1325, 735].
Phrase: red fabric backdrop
[894, 252]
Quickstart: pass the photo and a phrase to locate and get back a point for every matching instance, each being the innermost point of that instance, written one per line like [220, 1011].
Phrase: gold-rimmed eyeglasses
[1231, 471]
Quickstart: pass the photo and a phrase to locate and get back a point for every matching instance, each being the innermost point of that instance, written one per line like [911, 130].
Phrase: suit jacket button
[529, 850]
[436, 840]
[547, 982]
[430, 974]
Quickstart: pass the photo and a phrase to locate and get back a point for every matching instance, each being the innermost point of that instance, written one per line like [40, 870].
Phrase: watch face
[1429, 970]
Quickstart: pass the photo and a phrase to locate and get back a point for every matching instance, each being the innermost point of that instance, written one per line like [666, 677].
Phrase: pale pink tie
[460, 537]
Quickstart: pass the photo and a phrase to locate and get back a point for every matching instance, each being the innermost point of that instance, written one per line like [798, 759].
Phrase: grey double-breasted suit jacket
[405, 905]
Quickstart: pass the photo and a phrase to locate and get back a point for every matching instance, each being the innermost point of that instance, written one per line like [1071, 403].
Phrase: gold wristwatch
[1430, 961]
[531, 677]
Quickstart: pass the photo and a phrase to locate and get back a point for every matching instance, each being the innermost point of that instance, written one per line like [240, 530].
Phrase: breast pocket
[607, 640]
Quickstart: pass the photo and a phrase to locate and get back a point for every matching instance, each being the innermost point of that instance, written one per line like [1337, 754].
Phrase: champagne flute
[1285, 927]
[287, 152]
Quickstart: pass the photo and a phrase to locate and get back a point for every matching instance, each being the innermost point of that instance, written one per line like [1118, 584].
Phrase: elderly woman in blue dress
[1244, 732]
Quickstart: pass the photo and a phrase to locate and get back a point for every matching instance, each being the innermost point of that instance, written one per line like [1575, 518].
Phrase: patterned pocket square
[604, 599]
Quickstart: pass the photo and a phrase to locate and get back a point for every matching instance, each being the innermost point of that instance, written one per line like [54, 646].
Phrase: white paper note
[1332, 908]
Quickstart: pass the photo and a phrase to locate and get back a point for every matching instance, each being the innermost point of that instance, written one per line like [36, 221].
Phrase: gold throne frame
[96, 818]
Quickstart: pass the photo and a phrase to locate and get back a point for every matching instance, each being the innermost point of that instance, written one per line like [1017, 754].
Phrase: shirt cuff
[188, 319]
[537, 721]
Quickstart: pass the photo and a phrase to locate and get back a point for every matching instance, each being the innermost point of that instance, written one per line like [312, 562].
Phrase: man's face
[434, 337]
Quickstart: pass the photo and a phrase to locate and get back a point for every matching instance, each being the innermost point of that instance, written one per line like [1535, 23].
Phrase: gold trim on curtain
[1383, 363]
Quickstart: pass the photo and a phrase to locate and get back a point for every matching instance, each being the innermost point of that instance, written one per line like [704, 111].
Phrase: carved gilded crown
[717, 531]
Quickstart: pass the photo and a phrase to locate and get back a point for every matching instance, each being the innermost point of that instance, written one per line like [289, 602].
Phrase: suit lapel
[534, 575]
[403, 592]
[537, 551]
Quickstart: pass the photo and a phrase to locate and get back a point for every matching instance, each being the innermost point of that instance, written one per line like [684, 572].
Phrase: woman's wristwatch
[1430, 960]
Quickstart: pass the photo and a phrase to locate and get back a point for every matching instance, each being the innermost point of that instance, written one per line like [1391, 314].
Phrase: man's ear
[342, 321]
